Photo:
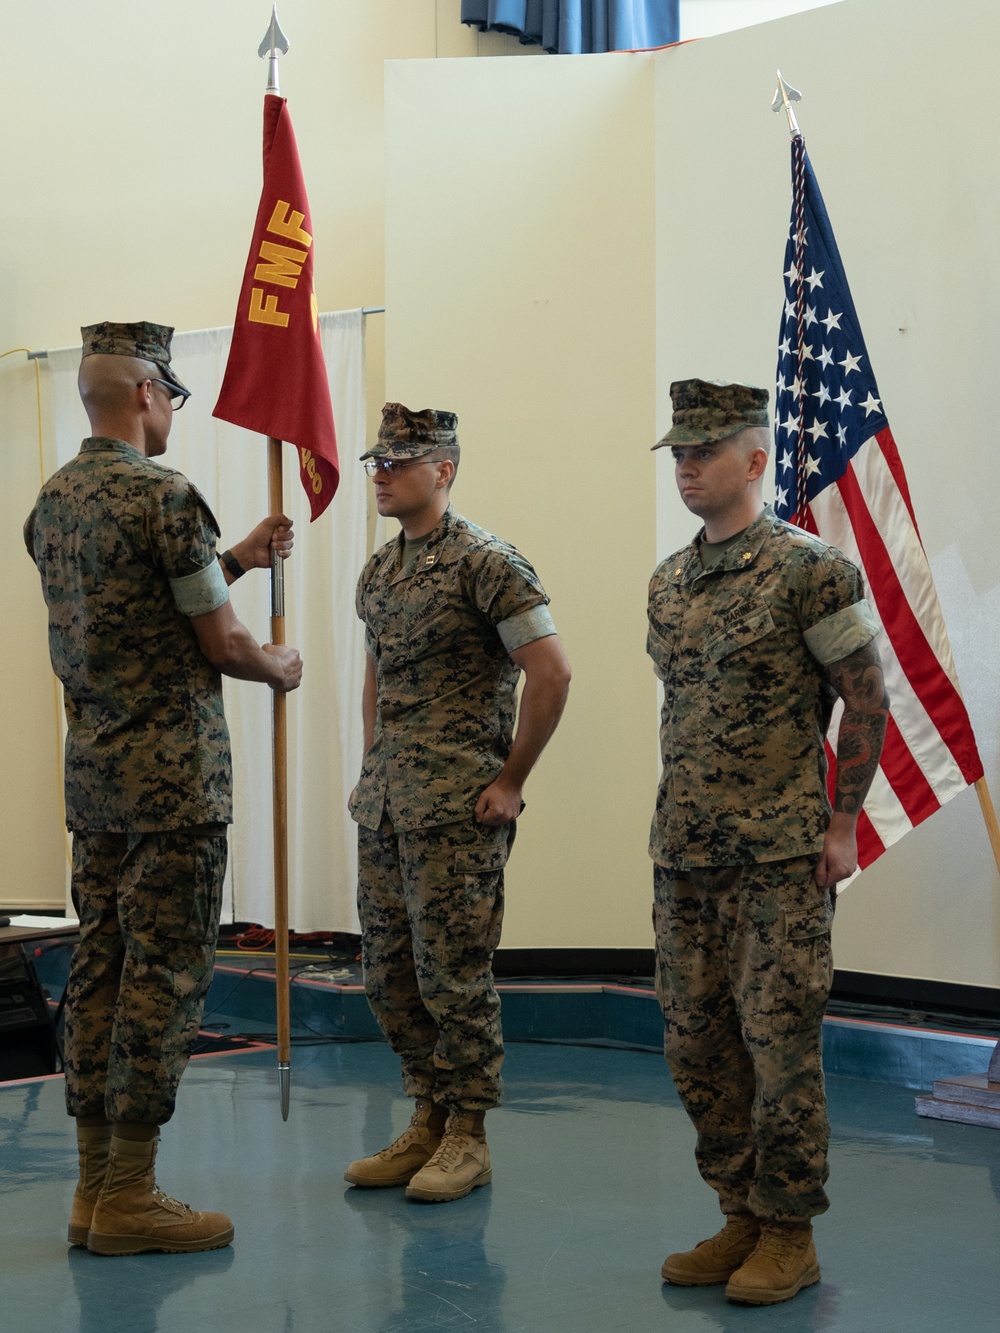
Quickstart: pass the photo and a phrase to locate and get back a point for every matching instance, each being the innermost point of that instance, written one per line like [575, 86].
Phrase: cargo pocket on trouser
[470, 1052]
[190, 874]
[170, 894]
[487, 849]
[478, 877]
[805, 972]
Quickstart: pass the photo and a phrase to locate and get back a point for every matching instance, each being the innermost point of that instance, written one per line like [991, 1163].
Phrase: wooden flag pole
[993, 829]
[279, 750]
[972, 1099]
[275, 43]
[989, 815]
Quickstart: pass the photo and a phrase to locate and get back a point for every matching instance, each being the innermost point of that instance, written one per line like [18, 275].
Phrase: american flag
[838, 473]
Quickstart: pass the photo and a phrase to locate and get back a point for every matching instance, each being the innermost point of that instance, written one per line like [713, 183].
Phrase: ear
[756, 464]
[446, 471]
[145, 395]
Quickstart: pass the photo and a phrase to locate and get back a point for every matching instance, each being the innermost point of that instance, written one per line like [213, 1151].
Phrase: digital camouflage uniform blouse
[741, 649]
[115, 536]
[441, 631]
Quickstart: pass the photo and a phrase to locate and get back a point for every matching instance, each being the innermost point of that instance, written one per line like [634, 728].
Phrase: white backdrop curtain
[229, 467]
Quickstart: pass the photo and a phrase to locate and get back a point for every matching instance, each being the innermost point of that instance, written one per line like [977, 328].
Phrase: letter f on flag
[275, 381]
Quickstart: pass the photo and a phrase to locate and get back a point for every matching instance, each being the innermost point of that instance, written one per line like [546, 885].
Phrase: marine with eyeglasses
[140, 628]
[452, 617]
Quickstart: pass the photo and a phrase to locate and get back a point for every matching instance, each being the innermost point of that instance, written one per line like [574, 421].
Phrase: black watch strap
[232, 564]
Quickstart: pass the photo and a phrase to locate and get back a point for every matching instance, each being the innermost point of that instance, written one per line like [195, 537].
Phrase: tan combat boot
[133, 1216]
[93, 1143]
[782, 1264]
[715, 1259]
[400, 1162]
[460, 1165]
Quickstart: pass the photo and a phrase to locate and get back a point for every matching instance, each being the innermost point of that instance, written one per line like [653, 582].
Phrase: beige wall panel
[912, 184]
[705, 18]
[519, 292]
[33, 844]
[131, 174]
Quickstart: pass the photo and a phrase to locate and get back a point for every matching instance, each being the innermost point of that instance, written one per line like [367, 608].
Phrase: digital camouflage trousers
[431, 908]
[743, 973]
[149, 908]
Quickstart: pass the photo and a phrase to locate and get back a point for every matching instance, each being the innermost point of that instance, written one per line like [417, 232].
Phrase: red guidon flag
[275, 381]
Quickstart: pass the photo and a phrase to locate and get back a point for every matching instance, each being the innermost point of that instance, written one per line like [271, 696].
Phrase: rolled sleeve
[506, 585]
[841, 634]
[183, 528]
[526, 627]
[205, 590]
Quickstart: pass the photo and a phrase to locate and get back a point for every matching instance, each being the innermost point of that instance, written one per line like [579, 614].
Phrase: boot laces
[453, 1145]
[166, 1201]
[735, 1232]
[407, 1137]
[780, 1244]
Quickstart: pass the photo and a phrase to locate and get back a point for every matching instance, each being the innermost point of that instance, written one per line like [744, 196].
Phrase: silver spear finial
[784, 97]
[275, 42]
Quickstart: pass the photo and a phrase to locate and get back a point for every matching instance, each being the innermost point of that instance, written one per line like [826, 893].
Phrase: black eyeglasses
[391, 465]
[178, 397]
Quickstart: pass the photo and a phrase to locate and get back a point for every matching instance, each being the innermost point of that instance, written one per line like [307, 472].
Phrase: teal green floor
[593, 1184]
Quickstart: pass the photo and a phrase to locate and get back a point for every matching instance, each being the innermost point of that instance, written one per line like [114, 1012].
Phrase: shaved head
[122, 404]
[754, 437]
[450, 453]
[108, 382]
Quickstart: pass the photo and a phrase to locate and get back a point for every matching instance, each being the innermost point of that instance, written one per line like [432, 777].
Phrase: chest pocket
[754, 625]
[424, 625]
[660, 645]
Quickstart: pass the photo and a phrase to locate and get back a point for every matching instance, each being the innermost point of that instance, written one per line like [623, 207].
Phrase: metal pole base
[285, 1086]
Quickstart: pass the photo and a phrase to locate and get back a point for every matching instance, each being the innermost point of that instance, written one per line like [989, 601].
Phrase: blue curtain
[576, 27]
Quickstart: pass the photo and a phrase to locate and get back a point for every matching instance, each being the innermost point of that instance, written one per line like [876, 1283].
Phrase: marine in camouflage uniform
[749, 635]
[446, 617]
[126, 550]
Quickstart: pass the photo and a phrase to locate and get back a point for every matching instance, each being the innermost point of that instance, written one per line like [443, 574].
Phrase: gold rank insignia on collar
[430, 559]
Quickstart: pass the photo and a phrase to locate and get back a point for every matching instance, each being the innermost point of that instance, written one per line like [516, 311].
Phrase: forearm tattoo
[859, 681]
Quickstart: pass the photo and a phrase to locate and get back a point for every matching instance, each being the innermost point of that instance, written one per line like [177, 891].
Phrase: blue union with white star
[841, 407]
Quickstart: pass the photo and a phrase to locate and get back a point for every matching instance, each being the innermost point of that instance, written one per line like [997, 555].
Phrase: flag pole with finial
[950, 1097]
[276, 384]
[274, 44]
[784, 97]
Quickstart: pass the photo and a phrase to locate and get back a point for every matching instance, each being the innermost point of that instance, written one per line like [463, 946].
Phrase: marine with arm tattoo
[755, 629]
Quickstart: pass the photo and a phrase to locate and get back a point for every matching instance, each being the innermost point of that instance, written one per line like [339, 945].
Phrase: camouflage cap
[148, 342]
[406, 434]
[707, 410]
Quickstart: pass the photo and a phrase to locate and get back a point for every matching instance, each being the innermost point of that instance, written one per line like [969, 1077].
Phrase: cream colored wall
[706, 18]
[131, 174]
[146, 212]
[519, 253]
[911, 181]
[519, 279]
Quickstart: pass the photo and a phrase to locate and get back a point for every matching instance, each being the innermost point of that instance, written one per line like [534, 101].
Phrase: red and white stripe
[930, 752]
